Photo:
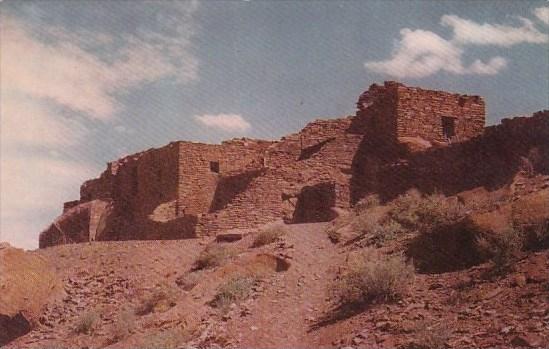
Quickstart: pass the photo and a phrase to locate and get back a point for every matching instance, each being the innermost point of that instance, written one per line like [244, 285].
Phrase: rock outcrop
[27, 284]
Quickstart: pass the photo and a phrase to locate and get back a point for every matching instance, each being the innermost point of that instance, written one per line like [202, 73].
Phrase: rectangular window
[448, 127]
[214, 166]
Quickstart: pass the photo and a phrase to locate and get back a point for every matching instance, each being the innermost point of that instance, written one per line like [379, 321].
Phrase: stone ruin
[401, 137]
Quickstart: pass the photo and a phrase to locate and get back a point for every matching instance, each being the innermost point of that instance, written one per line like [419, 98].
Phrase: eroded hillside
[421, 271]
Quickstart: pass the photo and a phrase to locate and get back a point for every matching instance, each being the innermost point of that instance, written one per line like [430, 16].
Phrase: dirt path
[293, 300]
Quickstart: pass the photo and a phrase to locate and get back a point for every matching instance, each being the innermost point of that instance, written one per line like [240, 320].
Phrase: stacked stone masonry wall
[187, 189]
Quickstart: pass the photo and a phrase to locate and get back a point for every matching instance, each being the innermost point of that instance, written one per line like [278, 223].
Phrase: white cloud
[491, 68]
[28, 123]
[421, 53]
[52, 80]
[68, 70]
[225, 122]
[33, 190]
[542, 13]
[469, 32]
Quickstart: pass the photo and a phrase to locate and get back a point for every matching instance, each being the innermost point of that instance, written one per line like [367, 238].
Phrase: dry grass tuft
[430, 336]
[169, 339]
[86, 322]
[367, 203]
[501, 248]
[160, 298]
[269, 235]
[212, 256]
[235, 290]
[189, 280]
[371, 276]
[123, 326]
[426, 213]
[334, 235]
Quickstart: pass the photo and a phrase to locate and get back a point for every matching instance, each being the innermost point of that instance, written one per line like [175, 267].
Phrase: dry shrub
[86, 322]
[168, 339]
[366, 203]
[404, 208]
[371, 276]
[189, 280]
[123, 326]
[235, 290]
[540, 231]
[376, 226]
[212, 256]
[388, 229]
[334, 235]
[269, 235]
[160, 298]
[535, 233]
[426, 214]
[429, 336]
[502, 248]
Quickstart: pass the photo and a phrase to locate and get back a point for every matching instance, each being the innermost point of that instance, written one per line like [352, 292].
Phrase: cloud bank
[224, 122]
[421, 53]
[542, 13]
[56, 84]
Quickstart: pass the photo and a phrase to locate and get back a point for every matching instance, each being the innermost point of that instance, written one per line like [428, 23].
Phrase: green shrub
[373, 277]
[86, 322]
[269, 235]
[212, 256]
[234, 291]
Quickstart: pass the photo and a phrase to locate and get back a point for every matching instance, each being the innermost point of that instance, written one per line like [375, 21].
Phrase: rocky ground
[151, 294]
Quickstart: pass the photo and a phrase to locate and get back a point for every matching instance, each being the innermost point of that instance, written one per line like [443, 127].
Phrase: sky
[83, 83]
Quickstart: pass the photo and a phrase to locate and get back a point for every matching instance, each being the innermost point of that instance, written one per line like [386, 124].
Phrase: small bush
[234, 291]
[501, 248]
[430, 336]
[376, 227]
[535, 234]
[268, 236]
[168, 339]
[189, 281]
[371, 277]
[86, 322]
[366, 222]
[123, 326]
[426, 214]
[212, 256]
[541, 231]
[334, 235]
[404, 208]
[163, 296]
[366, 203]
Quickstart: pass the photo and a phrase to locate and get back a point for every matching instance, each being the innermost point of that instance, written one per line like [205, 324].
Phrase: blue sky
[86, 82]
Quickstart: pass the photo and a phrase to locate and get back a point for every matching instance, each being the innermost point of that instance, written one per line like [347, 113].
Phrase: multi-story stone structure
[435, 116]
[187, 189]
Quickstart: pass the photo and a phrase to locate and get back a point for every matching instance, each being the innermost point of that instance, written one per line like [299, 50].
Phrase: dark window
[448, 127]
[214, 166]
